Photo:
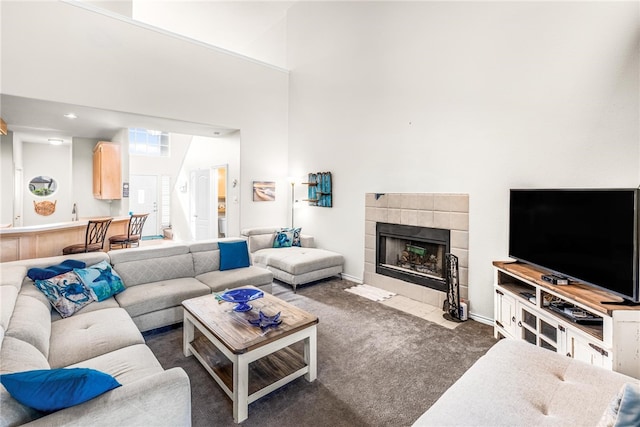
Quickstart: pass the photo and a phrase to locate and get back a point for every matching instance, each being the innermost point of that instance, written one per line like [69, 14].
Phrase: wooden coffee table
[213, 329]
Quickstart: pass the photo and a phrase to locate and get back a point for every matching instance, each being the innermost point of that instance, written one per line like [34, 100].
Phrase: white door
[17, 197]
[143, 198]
[203, 198]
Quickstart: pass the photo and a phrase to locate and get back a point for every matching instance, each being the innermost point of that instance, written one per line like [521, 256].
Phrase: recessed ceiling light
[71, 116]
[55, 141]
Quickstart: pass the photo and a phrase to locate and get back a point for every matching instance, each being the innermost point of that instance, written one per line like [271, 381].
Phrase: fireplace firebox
[413, 254]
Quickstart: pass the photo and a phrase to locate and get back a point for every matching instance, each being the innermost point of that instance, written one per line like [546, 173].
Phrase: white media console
[568, 319]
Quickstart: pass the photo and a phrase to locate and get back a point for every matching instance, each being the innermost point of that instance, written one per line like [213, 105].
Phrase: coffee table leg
[311, 355]
[240, 389]
[187, 335]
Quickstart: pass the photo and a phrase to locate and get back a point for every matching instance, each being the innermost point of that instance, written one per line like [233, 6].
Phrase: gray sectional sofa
[294, 265]
[106, 335]
[519, 384]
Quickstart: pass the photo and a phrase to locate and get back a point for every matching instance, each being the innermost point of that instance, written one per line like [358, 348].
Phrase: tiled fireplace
[406, 237]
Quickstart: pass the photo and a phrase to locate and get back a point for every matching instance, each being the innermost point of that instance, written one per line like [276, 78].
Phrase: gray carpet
[377, 366]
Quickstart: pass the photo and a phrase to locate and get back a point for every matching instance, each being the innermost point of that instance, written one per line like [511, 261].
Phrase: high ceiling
[231, 25]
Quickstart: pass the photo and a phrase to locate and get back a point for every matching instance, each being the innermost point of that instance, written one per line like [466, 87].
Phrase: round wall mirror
[43, 186]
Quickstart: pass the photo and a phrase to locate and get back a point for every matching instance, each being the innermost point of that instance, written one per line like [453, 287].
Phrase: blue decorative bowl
[241, 297]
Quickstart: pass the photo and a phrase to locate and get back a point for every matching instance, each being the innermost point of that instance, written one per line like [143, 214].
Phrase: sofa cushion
[251, 276]
[516, 383]
[233, 255]
[91, 334]
[54, 389]
[17, 355]
[151, 252]
[8, 297]
[101, 279]
[204, 262]
[66, 293]
[259, 230]
[155, 269]
[31, 322]
[297, 260]
[160, 295]
[126, 365]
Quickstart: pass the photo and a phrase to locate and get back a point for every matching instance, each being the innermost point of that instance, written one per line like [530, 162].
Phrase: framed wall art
[264, 191]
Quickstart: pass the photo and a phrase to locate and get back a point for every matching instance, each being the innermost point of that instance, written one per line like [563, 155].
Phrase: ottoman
[297, 266]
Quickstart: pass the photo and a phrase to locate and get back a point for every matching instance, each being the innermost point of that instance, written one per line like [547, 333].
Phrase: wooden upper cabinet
[107, 174]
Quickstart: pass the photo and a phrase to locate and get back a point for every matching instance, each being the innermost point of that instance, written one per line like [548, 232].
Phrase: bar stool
[93, 239]
[134, 233]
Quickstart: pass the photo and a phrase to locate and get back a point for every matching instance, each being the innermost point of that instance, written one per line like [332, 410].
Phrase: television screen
[587, 235]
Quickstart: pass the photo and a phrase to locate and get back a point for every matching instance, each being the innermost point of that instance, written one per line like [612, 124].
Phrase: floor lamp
[292, 200]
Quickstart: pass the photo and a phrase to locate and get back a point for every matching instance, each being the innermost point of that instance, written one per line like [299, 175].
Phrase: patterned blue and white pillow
[283, 239]
[296, 236]
[66, 293]
[287, 237]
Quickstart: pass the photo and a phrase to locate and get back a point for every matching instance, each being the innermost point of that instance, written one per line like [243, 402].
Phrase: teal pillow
[53, 389]
[283, 239]
[66, 293]
[101, 279]
[233, 255]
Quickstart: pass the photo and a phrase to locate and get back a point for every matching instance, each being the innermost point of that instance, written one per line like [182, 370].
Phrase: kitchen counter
[36, 241]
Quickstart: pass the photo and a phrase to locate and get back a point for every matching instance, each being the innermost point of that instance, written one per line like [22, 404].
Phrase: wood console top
[580, 292]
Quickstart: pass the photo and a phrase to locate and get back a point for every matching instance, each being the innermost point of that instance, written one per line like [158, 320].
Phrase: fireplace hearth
[413, 254]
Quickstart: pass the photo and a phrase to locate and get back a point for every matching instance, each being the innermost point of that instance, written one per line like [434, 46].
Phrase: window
[146, 142]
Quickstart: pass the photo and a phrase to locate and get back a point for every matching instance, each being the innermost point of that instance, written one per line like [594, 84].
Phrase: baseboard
[350, 278]
[481, 319]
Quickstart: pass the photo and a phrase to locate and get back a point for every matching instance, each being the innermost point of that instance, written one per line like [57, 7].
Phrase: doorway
[202, 199]
[143, 198]
[207, 202]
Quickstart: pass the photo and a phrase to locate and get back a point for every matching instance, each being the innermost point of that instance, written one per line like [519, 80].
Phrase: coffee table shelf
[262, 373]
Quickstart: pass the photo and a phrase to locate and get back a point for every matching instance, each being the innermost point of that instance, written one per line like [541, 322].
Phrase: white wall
[53, 161]
[103, 62]
[473, 97]
[253, 29]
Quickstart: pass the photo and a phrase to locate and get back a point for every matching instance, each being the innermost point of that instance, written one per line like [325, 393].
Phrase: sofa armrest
[163, 399]
[307, 241]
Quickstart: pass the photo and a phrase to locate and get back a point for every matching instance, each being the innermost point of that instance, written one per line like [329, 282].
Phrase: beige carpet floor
[377, 366]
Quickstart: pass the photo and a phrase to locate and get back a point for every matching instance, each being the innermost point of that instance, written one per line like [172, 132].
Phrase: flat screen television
[586, 235]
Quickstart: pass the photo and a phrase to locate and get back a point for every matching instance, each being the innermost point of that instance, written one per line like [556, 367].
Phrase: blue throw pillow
[101, 279]
[54, 270]
[53, 389]
[233, 255]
